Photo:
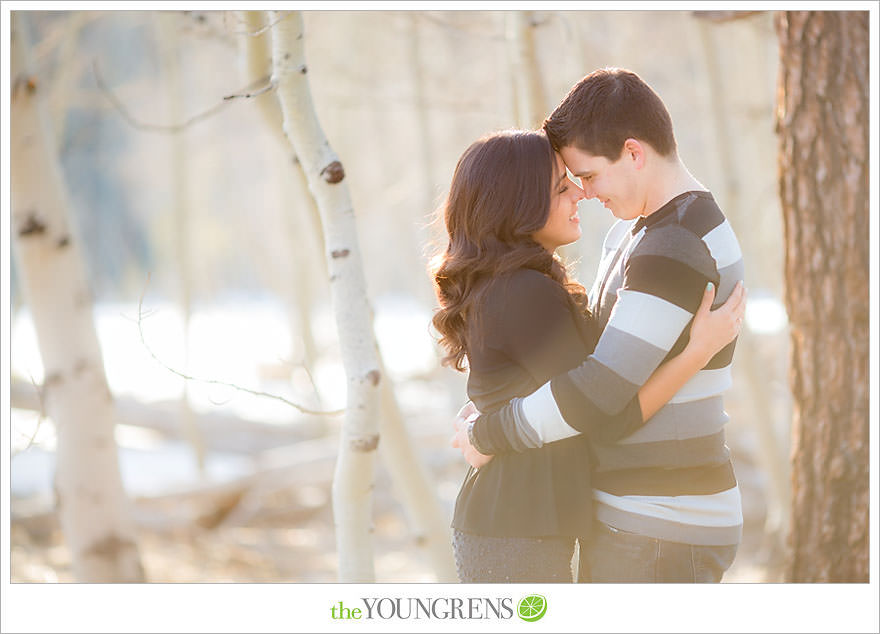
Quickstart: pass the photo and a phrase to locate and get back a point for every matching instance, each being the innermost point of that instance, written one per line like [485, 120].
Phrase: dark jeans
[618, 556]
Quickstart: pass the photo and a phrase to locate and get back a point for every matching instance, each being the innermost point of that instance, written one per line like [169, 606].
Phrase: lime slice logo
[532, 607]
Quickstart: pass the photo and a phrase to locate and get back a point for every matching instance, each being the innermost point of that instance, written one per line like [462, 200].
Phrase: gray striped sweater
[672, 478]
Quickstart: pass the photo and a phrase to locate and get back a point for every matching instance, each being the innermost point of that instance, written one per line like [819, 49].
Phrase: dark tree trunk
[822, 121]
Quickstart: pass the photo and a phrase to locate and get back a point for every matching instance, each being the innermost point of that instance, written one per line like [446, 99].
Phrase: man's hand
[461, 441]
[465, 413]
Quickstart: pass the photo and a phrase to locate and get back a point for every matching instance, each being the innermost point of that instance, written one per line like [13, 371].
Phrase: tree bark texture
[822, 120]
[354, 476]
[410, 479]
[93, 508]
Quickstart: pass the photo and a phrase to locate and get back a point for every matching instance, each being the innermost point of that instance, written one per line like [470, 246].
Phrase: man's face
[614, 184]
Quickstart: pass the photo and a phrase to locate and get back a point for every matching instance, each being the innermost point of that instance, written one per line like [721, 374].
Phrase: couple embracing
[594, 420]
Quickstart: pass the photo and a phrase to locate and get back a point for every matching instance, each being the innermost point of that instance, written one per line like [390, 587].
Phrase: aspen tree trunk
[530, 101]
[181, 208]
[413, 484]
[354, 476]
[412, 481]
[304, 229]
[822, 119]
[772, 458]
[92, 505]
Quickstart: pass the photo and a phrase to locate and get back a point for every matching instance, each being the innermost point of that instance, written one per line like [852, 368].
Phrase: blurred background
[205, 260]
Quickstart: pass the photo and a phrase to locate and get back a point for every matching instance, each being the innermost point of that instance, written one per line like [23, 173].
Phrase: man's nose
[587, 191]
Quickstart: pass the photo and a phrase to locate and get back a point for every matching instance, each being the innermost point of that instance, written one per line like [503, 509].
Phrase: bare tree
[353, 480]
[92, 504]
[822, 118]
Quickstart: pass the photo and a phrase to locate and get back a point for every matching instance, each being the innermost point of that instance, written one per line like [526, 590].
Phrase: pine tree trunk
[354, 476]
[822, 118]
[93, 508]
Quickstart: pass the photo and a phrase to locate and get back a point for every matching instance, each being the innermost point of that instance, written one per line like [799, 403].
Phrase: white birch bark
[408, 474]
[93, 508]
[354, 475]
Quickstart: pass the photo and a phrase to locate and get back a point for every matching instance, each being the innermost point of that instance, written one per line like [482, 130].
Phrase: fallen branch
[210, 504]
[222, 432]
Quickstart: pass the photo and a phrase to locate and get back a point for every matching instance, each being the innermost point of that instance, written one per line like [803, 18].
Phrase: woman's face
[562, 226]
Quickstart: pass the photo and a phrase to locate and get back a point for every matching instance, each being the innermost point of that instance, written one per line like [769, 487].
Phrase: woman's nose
[578, 193]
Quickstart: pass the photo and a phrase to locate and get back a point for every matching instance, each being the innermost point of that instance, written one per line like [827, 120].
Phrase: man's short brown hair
[607, 107]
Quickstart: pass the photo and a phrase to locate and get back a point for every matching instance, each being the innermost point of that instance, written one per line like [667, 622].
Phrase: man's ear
[634, 150]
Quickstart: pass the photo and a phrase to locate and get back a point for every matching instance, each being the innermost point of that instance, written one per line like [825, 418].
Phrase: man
[667, 502]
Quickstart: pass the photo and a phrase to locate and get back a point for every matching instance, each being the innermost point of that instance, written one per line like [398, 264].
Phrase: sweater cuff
[477, 440]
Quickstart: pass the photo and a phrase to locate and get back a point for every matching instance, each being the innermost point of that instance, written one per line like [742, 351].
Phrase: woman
[509, 309]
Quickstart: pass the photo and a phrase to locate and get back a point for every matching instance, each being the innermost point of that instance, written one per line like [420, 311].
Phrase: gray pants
[483, 559]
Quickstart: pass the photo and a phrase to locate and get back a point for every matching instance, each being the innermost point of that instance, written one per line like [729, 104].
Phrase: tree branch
[304, 410]
[267, 87]
[175, 127]
[261, 30]
[41, 415]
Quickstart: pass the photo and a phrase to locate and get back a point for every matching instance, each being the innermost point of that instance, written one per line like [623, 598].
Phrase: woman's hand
[460, 439]
[711, 330]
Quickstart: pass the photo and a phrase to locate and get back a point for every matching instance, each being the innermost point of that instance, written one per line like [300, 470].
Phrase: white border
[305, 607]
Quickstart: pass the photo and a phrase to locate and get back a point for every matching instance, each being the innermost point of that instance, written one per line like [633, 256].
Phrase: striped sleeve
[664, 280]
[508, 429]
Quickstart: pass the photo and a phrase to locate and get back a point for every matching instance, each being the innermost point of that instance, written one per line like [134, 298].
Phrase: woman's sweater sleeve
[530, 320]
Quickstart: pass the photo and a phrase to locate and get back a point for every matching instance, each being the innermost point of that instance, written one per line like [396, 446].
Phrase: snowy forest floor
[288, 537]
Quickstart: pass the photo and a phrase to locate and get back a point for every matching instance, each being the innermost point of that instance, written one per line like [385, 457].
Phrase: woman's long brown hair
[499, 197]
